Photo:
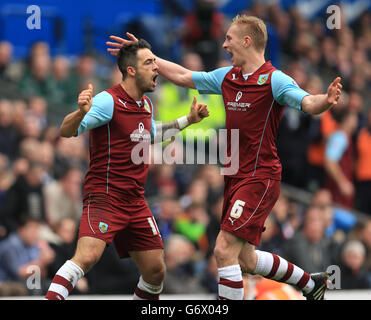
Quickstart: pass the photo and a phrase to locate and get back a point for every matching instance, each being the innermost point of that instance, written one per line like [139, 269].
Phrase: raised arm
[316, 104]
[72, 121]
[169, 70]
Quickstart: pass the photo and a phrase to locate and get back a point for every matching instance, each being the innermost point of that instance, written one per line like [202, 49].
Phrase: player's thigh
[88, 252]
[227, 248]
[150, 263]
[248, 207]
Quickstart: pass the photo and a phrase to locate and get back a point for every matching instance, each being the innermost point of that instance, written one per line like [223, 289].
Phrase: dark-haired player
[114, 207]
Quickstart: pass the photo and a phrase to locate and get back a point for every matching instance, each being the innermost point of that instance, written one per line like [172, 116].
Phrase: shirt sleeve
[336, 146]
[286, 91]
[210, 82]
[99, 114]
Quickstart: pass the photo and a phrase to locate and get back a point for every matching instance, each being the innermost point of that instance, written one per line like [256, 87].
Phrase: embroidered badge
[146, 106]
[263, 78]
[103, 227]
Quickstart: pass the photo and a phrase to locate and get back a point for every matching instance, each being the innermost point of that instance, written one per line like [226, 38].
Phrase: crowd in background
[41, 174]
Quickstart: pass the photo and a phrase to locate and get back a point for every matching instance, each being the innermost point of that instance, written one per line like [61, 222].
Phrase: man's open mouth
[154, 79]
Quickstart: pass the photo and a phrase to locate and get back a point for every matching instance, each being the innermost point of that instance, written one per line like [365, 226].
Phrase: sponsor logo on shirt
[236, 104]
[238, 96]
[140, 134]
[122, 102]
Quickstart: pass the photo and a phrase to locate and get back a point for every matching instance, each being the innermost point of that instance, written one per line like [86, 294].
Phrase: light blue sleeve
[286, 91]
[99, 114]
[210, 82]
[336, 146]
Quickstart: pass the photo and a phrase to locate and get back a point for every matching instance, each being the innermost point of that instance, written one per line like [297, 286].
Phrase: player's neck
[253, 63]
[132, 90]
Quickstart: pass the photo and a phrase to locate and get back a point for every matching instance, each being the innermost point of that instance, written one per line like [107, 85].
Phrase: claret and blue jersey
[253, 105]
[117, 123]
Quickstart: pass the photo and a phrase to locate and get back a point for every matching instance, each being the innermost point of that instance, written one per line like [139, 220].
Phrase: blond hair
[255, 28]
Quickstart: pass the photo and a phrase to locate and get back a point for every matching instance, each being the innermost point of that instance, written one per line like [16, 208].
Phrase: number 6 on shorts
[237, 209]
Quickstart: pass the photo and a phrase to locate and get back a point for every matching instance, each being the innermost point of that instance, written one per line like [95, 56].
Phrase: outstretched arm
[169, 70]
[316, 104]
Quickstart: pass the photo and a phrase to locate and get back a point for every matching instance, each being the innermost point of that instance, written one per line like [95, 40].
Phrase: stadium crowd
[41, 174]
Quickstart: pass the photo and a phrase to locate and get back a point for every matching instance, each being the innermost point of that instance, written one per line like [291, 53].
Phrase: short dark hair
[127, 55]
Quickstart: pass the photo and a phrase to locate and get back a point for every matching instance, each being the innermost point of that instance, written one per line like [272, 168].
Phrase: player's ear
[131, 71]
[247, 41]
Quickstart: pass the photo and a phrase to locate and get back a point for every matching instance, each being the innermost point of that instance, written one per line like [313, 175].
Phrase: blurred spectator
[85, 73]
[193, 224]
[353, 273]
[6, 180]
[211, 174]
[37, 79]
[9, 136]
[338, 221]
[63, 198]
[339, 160]
[355, 104]
[271, 239]
[209, 277]
[23, 249]
[362, 233]
[294, 127]
[6, 51]
[37, 107]
[285, 220]
[165, 181]
[64, 245]
[46, 158]
[363, 168]
[197, 193]
[169, 209]
[321, 128]
[70, 153]
[308, 247]
[63, 79]
[213, 227]
[203, 32]
[24, 197]
[180, 277]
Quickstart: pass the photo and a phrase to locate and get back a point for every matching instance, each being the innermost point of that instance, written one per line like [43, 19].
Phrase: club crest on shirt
[146, 106]
[103, 227]
[263, 78]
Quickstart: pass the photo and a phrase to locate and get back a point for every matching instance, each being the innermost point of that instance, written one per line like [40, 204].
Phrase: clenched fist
[198, 112]
[85, 99]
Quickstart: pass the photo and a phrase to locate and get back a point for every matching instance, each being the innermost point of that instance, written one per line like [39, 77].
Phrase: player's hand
[119, 43]
[85, 99]
[334, 92]
[198, 111]
[346, 189]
